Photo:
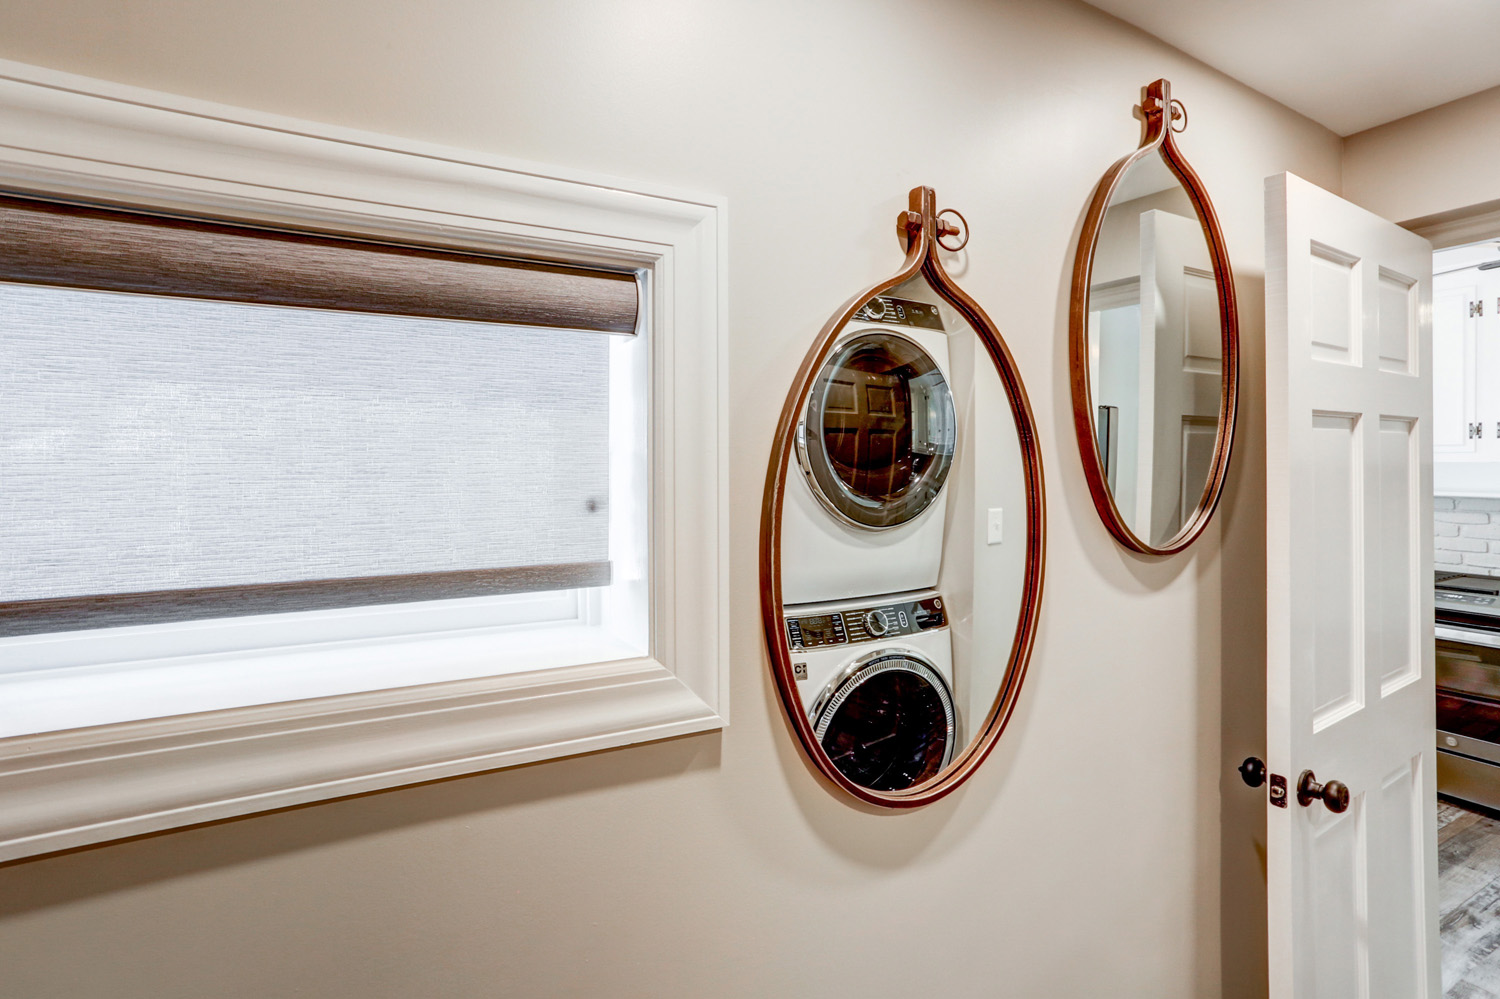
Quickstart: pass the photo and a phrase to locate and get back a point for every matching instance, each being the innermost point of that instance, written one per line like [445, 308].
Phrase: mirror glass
[1155, 352]
[904, 533]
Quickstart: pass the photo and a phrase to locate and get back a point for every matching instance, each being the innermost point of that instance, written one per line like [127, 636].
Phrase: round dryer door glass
[889, 725]
[878, 438]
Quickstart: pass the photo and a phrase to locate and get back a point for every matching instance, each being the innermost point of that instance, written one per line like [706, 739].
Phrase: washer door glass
[890, 725]
[879, 432]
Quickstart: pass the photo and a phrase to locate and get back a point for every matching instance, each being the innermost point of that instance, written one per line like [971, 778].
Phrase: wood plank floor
[1469, 901]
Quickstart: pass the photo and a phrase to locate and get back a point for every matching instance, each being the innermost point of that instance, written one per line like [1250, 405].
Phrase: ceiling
[1347, 64]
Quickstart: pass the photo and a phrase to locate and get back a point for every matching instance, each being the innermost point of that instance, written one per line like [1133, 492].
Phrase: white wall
[1435, 162]
[1086, 857]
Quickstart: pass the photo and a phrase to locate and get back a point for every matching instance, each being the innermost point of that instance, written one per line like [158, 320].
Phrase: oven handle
[1467, 636]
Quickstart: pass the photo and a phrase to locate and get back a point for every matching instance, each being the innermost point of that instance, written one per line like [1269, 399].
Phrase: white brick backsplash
[1467, 530]
[1461, 517]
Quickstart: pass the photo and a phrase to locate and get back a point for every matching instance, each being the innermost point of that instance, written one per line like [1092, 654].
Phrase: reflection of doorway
[1115, 359]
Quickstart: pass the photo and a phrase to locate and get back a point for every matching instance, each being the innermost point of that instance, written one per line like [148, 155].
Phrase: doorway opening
[1466, 563]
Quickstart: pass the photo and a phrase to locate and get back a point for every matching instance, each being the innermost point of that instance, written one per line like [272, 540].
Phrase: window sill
[50, 700]
[68, 789]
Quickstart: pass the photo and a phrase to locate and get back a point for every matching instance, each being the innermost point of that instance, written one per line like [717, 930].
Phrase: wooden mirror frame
[1158, 110]
[921, 229]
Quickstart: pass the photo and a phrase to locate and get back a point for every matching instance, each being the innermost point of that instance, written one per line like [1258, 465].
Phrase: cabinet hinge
[1476, 309]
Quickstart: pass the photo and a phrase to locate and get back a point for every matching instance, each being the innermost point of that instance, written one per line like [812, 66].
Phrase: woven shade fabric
[287, 457]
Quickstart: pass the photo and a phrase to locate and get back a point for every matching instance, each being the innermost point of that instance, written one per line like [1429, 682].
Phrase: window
[350, 445]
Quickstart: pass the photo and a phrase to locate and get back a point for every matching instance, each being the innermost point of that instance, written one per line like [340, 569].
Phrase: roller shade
[83, 247]
[177, 454]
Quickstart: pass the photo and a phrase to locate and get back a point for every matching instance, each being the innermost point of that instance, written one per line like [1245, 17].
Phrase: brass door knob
[1334, 794]
[1253, 771]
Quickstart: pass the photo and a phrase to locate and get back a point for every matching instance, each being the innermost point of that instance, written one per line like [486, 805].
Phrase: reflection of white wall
[981, 583]
[1118, 251]
[998, 570]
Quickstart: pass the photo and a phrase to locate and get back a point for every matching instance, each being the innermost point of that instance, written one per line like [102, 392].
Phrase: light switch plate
[996, 531]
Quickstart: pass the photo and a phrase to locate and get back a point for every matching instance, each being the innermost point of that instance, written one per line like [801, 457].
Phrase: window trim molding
[68, 136]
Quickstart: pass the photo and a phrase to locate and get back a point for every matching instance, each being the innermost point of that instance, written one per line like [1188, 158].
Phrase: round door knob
[1334, 794]
[1253, 771]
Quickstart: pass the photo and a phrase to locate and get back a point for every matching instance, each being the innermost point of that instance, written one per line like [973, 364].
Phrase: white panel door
[1352, 895]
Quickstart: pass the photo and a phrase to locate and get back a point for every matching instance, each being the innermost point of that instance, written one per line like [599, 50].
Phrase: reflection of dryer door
[887, 723]
[879, 432]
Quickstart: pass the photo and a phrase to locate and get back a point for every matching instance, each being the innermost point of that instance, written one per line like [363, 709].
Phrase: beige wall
[1084, 860]
[1435, 162]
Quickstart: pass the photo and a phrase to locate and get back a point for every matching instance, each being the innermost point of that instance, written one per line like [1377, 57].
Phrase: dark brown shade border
[78, 246]
[35, 617]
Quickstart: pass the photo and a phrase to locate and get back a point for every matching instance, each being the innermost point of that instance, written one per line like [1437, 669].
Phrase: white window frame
[71, 136]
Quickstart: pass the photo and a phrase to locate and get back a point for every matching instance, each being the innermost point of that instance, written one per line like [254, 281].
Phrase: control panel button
[876, 623]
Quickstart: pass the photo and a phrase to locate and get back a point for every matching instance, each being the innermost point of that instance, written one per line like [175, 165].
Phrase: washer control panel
[866, 624]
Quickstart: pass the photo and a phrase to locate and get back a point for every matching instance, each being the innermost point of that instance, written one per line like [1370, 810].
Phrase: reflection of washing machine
[876, 679]
[875, 444]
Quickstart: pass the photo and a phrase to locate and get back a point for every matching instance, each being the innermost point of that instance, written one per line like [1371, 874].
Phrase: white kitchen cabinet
[1454, 366]
[1466, 379]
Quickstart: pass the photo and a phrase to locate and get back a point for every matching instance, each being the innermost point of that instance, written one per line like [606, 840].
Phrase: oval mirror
[1154, 343]
[902, 534]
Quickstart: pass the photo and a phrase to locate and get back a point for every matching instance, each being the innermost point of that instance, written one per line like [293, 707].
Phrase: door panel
[1349, 675]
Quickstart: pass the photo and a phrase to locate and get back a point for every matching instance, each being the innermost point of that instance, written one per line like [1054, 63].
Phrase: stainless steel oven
[1468, 687]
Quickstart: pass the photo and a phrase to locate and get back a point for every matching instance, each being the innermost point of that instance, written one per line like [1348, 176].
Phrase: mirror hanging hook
[1178, 112]
[909, 225]
[946, 228]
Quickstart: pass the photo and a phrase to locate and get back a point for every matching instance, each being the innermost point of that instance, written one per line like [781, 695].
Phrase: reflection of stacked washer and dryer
[862, 548]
